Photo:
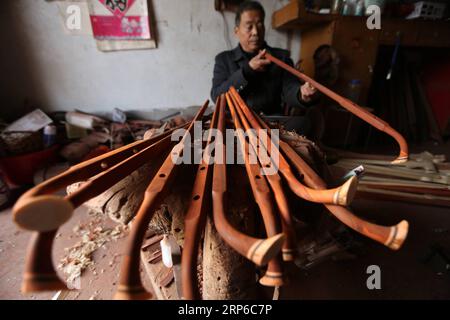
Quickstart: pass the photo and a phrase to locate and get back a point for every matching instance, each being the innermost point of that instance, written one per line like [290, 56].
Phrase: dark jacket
[266, 91]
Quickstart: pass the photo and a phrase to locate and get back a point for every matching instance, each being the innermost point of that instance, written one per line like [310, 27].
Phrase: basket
[18, 142]
[19, 170]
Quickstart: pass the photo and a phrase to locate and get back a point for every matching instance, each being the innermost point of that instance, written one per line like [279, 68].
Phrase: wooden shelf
[416, 32]
[294, 16]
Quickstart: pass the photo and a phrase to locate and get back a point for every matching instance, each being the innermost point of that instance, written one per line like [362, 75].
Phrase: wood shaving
[79, 256]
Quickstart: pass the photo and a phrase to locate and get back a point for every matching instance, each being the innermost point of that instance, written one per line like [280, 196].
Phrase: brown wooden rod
[39, 274]
[342, 195]
[351, 107]
[195, 218]
[37, 210]
[275, 183]
[104, 180]
[259, 251]
[130, 285]
[274, 275]
[392, 237]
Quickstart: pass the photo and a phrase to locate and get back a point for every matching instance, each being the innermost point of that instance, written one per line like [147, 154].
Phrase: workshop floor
[99, 282]
[419, 270]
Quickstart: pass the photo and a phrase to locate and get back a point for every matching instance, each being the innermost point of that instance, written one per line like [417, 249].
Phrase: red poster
[120, 20]
[117, 7]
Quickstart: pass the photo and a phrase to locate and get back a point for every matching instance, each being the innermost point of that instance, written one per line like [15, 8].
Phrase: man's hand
[306, 92]
[259, 62]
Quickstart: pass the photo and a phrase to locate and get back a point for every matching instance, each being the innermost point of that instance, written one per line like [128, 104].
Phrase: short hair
[248, 6]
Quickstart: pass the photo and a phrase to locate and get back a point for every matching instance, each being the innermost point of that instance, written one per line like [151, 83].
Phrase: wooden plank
[402, 182]
[433, 33]
[368, 193]
[294, 15]
[406, 173]
[402, 188]
[288, 13]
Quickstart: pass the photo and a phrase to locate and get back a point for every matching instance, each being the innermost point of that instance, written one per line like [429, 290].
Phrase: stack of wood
[423, 179]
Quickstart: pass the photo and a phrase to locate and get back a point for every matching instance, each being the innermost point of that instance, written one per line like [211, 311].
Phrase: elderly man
[264, 86]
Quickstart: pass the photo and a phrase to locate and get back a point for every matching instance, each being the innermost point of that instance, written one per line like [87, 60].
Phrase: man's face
[250, 31]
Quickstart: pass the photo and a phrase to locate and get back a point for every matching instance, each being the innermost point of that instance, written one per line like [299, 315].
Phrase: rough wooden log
[122, 201]
[223, 273]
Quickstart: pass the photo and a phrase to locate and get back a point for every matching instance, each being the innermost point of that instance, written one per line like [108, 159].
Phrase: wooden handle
[195, 218]
[342, 195]
[352, 107]
[392, 236]
[130, 285]
[275, 183]
[259, 251]
[274, 276]
[38, 210]
[39, 274]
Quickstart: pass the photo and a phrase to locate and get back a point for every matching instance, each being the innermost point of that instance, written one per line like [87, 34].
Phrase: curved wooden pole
[274, 275]
[259, 251]
[342, 195]
[40, 274]
[37, 210]
[195, 218]
[275, 182]
[392, 236]
[130, 285]
[352, 107]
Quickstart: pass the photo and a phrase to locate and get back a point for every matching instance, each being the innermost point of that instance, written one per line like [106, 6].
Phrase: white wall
[42, 65]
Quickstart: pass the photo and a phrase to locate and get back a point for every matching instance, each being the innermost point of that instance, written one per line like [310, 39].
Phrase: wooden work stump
[223, 274]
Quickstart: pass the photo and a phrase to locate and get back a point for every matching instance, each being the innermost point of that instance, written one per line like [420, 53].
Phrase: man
[264, 86]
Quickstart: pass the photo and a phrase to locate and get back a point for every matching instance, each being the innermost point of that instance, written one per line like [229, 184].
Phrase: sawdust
[78, 257]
